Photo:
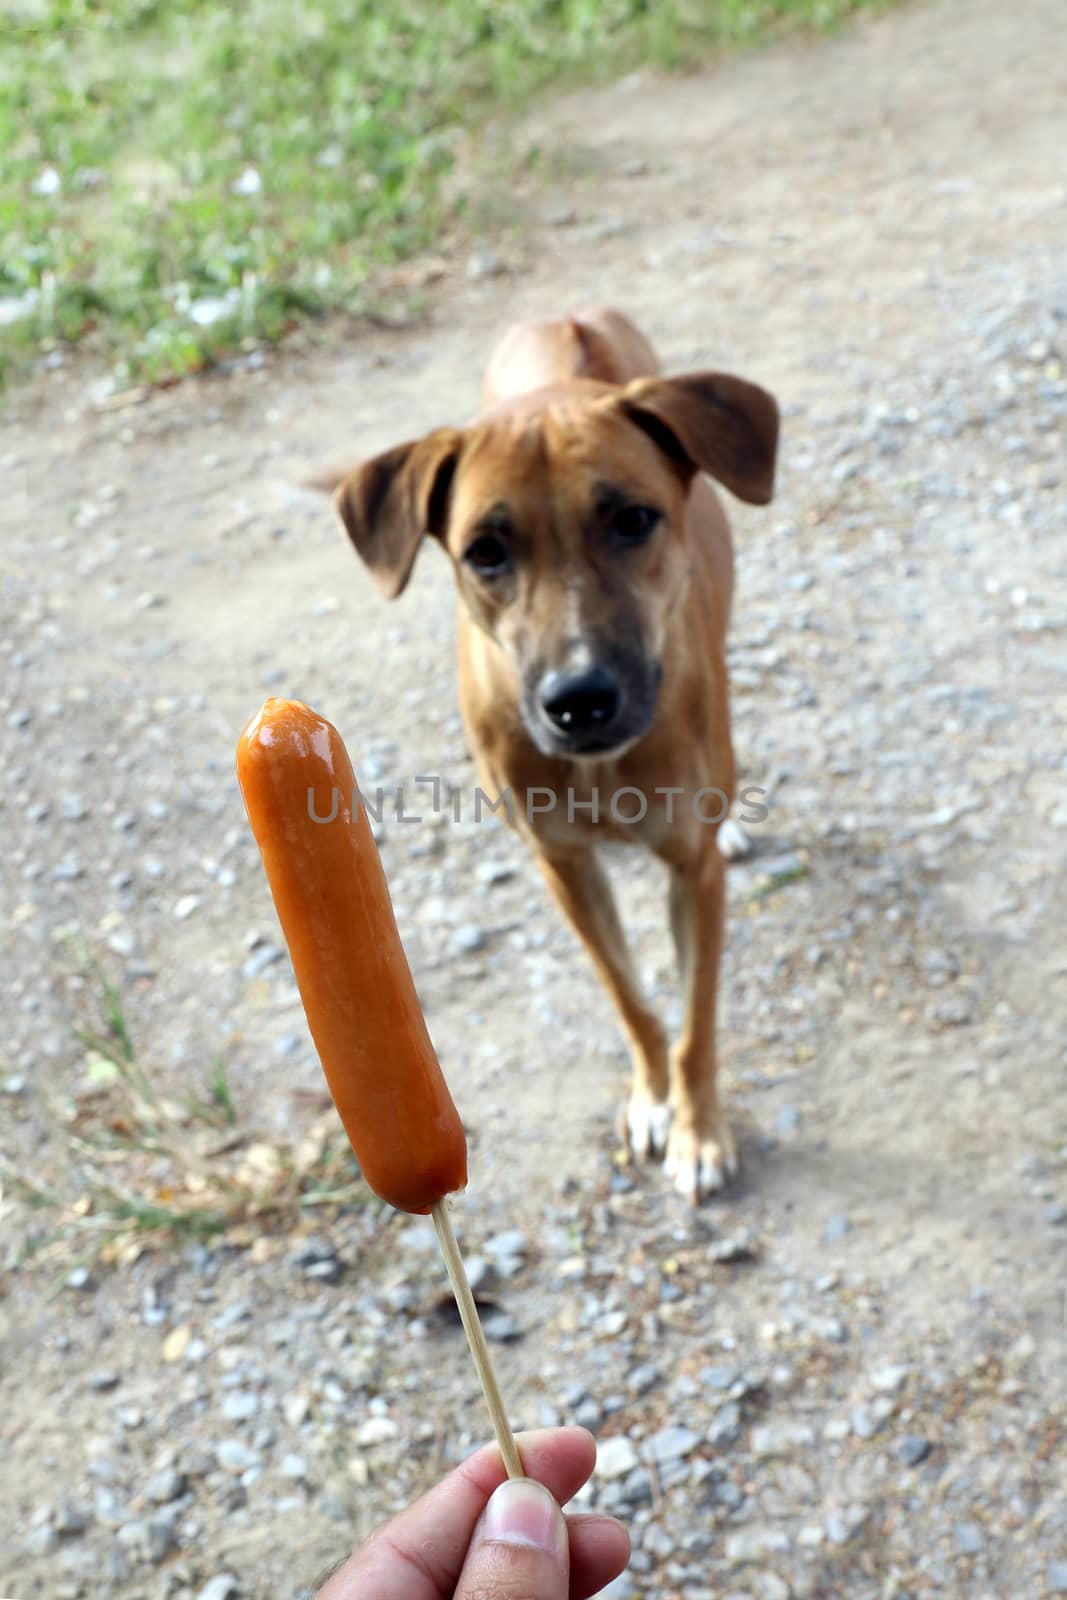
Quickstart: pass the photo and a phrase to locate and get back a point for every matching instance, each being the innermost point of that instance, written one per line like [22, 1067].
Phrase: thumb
[519, 1550]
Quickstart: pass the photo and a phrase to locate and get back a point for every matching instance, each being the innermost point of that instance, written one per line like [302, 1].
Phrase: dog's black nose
[585, 703]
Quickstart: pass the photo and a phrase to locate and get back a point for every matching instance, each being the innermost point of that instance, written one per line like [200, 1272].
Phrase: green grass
[142, 1169]
[181, 177]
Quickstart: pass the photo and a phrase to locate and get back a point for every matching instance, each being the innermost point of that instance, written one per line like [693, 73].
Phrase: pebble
[165, 1486]
[151, 1538]
[862, 1423]
[240, 1406]
[501, 1327]
[887, 1380]
[782, 1438]
[234, 1455]
[293, 1466]
[222, 1587]
[615, 1457]
[670, 1444]
[912, 1449]
[837, 1227]
[725, 1425]
[185, 907]
[42, 1540]
[1057, 1577]
[641, 1379]
[754, 1543]
[485, 263]
[377, 1430]
[71, 1521]
[969, 1538]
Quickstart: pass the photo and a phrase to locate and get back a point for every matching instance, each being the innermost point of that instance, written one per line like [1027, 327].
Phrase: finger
[520, 1549]
[419, 1555]
[600, 1549]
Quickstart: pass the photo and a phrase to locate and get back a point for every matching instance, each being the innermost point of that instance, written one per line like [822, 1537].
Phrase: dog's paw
[734, 842]
[648, 1124]
[699, 1165]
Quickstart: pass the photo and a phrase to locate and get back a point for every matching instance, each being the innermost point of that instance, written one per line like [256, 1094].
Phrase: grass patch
[180, 178]
[143, 1169]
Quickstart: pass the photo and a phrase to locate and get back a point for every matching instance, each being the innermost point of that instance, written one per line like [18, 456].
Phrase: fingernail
[523, 1512]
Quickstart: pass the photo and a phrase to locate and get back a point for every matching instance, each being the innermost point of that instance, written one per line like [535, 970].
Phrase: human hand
[477, 1536]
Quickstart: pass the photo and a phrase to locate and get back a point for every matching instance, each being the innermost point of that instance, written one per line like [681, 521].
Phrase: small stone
[841, 1526]
[670, 1444]
[738, 1247]
[769, 1586]
[263, 956]
[241, 1406]
[166, 1486]
[643, 1378]
[293, 1466]
[1055, 1214]
[485, 263]
[862, 1423]
[615, 1457]
[509, 1243]
[233, 1455]
[787, 1121]
[296, 1408]
[726, 1424]
[222, 1587]
[42, 1540]
[153, 1538]
[1057, 1577]
[79, 1278]
[754, 1544]
[71, 1521]
[493, 872]
[468, 938]
[176, 1344]
[186, 906]
[968, 1537]
[887, 1380]
[837, 1226]
[912, 1449]
[104, 1382]
[501, 1327]
[781, 1438]
[377, 1430]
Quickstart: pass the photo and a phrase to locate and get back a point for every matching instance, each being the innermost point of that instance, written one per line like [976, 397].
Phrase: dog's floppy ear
[714, 422]
[389, 503]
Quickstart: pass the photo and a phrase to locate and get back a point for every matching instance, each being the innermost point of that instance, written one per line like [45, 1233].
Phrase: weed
[144, 1169]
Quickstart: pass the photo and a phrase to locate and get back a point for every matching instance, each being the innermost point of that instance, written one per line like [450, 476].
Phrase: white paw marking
[734, 842]
[648, 1124]
[700, 1169]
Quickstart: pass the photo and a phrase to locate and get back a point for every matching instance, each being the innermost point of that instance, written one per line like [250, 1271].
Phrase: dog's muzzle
[591, 712]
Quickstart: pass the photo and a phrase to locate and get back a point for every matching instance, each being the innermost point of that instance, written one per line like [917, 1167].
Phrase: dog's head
[563, 514]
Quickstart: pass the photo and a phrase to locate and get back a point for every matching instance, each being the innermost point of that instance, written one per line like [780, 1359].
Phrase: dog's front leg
[581, 888]
[700, 1150]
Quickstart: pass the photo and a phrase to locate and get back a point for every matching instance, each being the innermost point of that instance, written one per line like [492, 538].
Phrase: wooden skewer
[472, 1327]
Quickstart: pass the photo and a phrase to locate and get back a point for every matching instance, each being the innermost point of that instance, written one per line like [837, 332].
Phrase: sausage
[333, 903]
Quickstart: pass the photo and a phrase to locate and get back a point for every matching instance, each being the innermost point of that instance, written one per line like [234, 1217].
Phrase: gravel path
[848, 1377]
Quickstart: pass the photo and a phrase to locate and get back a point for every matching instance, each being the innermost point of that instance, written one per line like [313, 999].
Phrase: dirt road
[863, 1344]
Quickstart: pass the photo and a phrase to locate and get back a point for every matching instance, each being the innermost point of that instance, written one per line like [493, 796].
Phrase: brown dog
[595, 571]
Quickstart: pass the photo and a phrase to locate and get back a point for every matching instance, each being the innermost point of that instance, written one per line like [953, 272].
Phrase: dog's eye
[632, 525]
[488, 556]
